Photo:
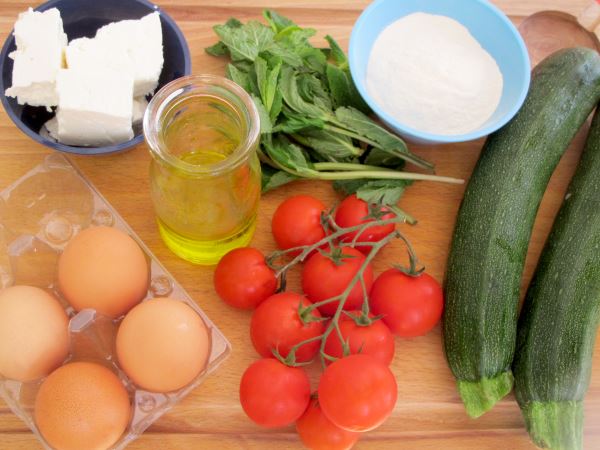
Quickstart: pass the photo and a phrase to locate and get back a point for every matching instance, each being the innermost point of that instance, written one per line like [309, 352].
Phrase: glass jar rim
[169, 92]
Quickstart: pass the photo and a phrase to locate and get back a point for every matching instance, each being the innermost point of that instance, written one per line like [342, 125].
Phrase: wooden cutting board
[429, 414]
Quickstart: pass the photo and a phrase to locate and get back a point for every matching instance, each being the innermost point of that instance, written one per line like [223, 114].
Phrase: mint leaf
[356, 100]
[310, 88]
[291, 96]
[267, 80]
[247, 41]
[261, 68]
[361, 123]
[384, 191]
[343, 90]
[234, 23]
[337, 54]
[291, 43]
[295, 37]
[338, 86]
[272, 178]
[314, 59]
[293, 123]
[287, 55]
[245, 66]
[244, 79]
[378, 157]
[276, 106]
[276, 21]
[386, 141]
[219, 49]
[265, 122]
[288, 155]
[329, 146]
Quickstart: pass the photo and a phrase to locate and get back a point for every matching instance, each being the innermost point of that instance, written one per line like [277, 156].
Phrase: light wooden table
[429, 414]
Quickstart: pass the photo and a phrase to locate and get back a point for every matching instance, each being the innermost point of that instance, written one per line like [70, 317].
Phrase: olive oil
[206, 196]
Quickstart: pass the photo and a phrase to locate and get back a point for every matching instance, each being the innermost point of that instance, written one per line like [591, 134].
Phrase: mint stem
[380, 173]
[377, 174]
[350, 167]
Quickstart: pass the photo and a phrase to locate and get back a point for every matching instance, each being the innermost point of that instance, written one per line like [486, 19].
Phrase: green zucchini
[495, 220]
[559, 319]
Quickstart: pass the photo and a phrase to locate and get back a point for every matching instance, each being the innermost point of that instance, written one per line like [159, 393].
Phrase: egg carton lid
[39, 214]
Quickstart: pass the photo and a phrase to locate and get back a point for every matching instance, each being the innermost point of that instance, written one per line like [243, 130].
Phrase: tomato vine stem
[332, 238]
[334, 323]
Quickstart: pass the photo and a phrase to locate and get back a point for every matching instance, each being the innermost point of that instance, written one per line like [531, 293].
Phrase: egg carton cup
[39, 214]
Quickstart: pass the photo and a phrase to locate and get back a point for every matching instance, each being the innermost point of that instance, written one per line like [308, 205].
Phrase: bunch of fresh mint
[314, 123]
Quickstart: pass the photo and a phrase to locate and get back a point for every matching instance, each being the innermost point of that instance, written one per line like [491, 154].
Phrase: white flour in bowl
[431, 74]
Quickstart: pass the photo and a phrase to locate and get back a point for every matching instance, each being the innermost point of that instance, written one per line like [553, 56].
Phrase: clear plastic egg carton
[39, 214]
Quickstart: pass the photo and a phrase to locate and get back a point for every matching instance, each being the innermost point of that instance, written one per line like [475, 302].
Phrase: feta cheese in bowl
[129, 46]
[110, 66]
[95, 106]
[41, 41]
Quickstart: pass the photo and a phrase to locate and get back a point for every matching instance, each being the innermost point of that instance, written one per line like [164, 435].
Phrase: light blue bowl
[494, 31]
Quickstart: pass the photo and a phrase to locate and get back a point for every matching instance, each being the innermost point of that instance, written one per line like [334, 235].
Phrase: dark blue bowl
[81, 18]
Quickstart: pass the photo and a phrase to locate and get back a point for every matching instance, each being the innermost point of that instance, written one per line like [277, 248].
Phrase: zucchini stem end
[555, 425]
[480, 396]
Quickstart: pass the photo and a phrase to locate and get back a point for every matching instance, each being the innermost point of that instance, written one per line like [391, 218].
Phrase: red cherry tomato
[373, 339]
[411, 306]
[317, 432]
[297, 221]
[351, 212]
[357, 393]
[243, 279]
[276, 324]
[273, 394]
[323, 279]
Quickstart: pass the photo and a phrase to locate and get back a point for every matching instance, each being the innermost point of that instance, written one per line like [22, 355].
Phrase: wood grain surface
[429, 414]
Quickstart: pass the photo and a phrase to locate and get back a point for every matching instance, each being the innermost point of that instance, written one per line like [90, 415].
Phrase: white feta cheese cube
[39, 56]
[39, 28]
[94, 106]
[142, 41]
[51, 127]
[139, 108]
[84, 53]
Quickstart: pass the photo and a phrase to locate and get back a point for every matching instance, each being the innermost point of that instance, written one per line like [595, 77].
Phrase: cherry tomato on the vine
[273, 394]
[243, 279]
[297, 221]
[276, 324]
[410, 305]
[317, 432]
[358, 392]
[373, 339]
[353, 211]
[323, 278]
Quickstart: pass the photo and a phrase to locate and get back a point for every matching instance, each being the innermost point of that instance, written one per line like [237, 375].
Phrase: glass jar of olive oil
[203, 132]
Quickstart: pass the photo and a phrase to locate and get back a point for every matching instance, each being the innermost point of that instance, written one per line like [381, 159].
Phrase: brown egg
[82, 405]
[162, 344]
[105, 269]
[34, 333]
